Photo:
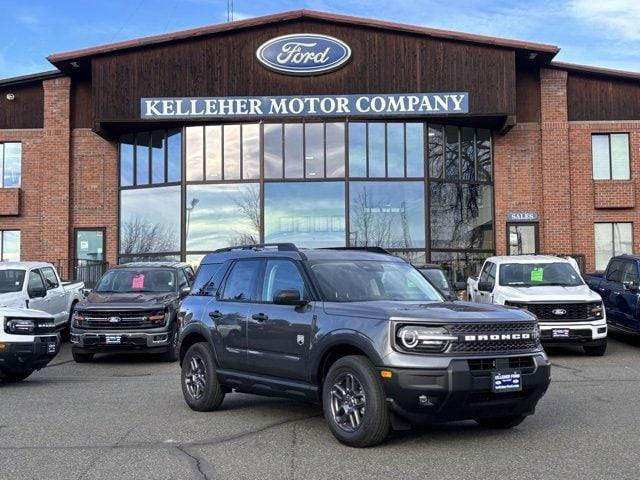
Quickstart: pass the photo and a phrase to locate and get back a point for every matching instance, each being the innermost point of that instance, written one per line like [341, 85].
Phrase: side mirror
[485, 286]
[37, 292]
[185, 291]
[86, 292]
[289, 296]
[459, 286]
[631, 286]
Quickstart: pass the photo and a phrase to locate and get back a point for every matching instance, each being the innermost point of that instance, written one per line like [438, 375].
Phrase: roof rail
[281, 247]
[362, 249]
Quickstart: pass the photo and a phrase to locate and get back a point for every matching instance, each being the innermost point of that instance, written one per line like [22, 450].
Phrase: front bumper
[24, 356]
[156, 339]
[579, 333]
[459, 392]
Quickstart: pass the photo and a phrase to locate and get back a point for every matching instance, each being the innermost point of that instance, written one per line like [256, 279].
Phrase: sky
[603, 33]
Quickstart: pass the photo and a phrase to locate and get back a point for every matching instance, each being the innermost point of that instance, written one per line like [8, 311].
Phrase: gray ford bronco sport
[359, 331]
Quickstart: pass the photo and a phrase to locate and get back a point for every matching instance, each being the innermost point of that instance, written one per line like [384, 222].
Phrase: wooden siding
[26, 110]
[593, 98]
[81, 109]
[527, 95]
[382, 62]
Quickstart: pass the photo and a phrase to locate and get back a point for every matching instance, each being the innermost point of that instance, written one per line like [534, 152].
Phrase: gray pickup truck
[360, 331]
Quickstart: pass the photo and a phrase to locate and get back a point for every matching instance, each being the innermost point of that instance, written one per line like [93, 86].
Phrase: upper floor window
[612, 239]
[10, 245]
[151, 158]
[10, 164]
[610, 154]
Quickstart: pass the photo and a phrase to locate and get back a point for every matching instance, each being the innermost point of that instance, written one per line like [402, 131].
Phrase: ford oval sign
[303, 54]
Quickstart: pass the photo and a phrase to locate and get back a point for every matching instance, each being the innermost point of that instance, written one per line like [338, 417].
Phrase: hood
[581, 293]
[446, 312]
[134, 301]
[12, 299]
[23, 313]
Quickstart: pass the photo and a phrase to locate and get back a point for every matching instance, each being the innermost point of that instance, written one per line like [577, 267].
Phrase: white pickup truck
[568, 311]
[37, 285]
[28, 342]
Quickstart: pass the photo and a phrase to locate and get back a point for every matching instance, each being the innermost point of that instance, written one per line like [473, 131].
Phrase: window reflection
[231, 152]
[174, 155]
[395, 149]
[468, 153]
[194, 152]
[293, 150]
[222, 215]
[314, 150]
[150, 220]
[335, 149]
[10, 246]
[10, 164]
[357, 149]
[376, 149]
[251, 151]
[436, 151]
[461, 216]
[483, 145]
[213, 149]
[126, 160]
[459, 266]
[318, 221]
[142, 158]
[415, 149]
[272, 133]
[157, 156]
[452, 152]
[387, 214]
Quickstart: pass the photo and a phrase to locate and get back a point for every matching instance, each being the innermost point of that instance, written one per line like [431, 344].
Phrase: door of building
[522, 238]
[89, 263]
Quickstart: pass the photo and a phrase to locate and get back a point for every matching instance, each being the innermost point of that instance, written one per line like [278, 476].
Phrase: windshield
[11, 280]
[361, 281]
[437, 277]
[539, 274]
[135, 281]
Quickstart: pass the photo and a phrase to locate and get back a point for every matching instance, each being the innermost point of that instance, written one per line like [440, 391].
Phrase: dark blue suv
[360, 331]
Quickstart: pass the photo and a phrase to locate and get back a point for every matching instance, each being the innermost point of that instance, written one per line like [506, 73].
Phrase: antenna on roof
[229, 10]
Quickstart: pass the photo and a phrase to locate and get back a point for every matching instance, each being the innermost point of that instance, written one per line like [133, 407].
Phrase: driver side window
[35, 281]
[488, 274]
[281, 275]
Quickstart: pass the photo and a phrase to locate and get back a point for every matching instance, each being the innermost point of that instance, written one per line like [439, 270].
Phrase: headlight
[78, 318]
[159, 317]
[420, 338]
[21, 326]
[596, 311]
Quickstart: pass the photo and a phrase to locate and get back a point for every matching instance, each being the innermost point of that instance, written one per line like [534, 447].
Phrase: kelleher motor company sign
[305, 105]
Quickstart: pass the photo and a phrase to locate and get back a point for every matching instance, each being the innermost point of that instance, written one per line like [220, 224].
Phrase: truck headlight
[21, 326]
[423, 339]
[78, 318]
[596, 311]
[159, 317]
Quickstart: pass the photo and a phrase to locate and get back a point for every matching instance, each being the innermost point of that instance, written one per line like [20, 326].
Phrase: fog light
[426, 401]
[3, 346]
[602, 330]
[386, 374]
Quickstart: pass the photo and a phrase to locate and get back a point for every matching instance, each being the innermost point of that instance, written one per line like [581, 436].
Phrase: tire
[501, 423]
[596, 351]
[173, 353]
[200, 386]
[81, 357]
[14, 377]
[350, 424]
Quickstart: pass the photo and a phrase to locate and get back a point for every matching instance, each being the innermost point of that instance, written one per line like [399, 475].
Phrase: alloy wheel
[348, 402]
[195, 378]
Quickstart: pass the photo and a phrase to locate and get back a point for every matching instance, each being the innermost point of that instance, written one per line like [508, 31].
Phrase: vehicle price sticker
[506, 382]
[113, 339]
[560, 333]
[137, 282]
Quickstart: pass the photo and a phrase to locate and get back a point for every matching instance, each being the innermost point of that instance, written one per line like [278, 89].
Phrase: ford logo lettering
[303, 54]
[559, 311]
[114, 319]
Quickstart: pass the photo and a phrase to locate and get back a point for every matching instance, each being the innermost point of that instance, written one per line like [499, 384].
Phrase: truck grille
[484, 366]
[119, 320]
[481, 330]
[573, 311]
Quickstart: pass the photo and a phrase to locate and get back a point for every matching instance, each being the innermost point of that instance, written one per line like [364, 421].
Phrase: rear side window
[614, 272]
[240, 285]
[630, 272]
[49, 277]
[207, 279]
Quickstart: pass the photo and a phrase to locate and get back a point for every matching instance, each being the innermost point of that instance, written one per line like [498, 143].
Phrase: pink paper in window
[138, 281]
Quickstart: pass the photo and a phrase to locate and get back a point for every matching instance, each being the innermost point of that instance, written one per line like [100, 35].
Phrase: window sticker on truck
[537, 274]
[138, 281]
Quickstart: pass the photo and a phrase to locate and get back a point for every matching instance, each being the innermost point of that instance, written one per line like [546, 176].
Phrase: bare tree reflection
[248, 203]
[141, 236]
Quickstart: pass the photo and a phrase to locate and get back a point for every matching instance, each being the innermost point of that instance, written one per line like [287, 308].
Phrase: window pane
[126, 160]
[620, 156]
[458, 266]
[387, 214]
[452, 153]
[314, 150]
[194, 152]
[600, 154]
[415, 149]
[622, 238]
[357, 150]
[222, 215]
[12, 164]
[376, 149]
[468, 153]
[461, 216]
[395, 149]
[150, 220]
[251, 151]
[272, 150]
[10, 246]
[522, 239]
[142, 158]
[157, 156]
[309, 214]
[436, 151]
[89, 245]
[174, 152]
[604, 244]
[231, 152]
[335, 149]
[241, 282]
[280, 275]
[483, 154]
[213, 152]
[293, 150]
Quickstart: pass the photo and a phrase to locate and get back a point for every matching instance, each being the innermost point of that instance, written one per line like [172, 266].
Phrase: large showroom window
[423, 191]
[9, 245]
[612, 239]
[10, 164]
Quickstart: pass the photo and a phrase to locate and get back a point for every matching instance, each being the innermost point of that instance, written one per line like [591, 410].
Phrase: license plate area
[113, 339]
[560, 333]
[51, 348]
[506, 381]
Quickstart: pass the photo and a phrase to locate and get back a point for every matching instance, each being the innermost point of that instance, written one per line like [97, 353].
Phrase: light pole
[194, 202]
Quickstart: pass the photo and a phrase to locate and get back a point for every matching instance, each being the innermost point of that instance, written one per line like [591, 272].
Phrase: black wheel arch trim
[200, 330]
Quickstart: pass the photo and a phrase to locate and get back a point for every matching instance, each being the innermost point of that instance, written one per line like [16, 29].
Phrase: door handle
[260, 317]
[215, 314]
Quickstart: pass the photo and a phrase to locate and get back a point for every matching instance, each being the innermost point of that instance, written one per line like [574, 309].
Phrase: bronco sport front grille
[476, 337]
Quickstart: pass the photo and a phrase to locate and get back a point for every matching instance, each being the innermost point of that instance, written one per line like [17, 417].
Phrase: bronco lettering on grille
[497, 337]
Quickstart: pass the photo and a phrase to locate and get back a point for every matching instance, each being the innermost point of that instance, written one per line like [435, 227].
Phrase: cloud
[614, 19]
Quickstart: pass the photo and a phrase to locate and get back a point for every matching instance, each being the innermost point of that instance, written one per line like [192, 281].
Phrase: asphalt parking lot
[125, 418]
